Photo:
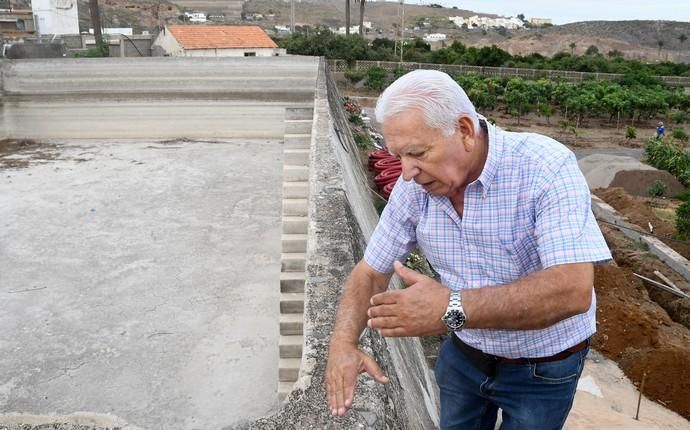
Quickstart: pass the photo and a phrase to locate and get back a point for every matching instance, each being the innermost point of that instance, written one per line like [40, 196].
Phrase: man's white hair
[432, 93]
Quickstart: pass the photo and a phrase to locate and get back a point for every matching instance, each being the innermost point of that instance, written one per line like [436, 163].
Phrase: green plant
[630, 132]
[657, 189]
[679, 117]
[361, 139]
[99, 51]
[683, 221]
[355, 76]
[356, 120]
[376, 78]
[679, 133]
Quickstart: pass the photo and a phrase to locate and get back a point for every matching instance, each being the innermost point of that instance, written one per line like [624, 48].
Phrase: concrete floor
[141, 280]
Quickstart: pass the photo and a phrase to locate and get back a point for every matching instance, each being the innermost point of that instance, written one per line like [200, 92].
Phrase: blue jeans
[531, 396]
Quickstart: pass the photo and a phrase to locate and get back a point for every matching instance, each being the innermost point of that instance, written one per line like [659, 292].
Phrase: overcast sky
[564, 11]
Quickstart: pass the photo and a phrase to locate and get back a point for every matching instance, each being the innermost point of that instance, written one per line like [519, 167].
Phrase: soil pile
[638, 182]
[640, 336]
[638, 211]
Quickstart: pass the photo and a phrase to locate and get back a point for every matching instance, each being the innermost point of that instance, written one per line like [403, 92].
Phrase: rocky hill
[648, 40]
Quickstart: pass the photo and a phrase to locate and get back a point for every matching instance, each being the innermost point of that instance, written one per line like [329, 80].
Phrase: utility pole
[402, 30]
[292, 16]
[96, 22]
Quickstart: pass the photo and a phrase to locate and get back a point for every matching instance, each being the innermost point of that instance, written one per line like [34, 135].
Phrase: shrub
[355, 76]
[376, 78]
[362, 140]
[679, 117]
[657, 189]
[630, 132]
[683, 221]
[679, 133]
[356, 120]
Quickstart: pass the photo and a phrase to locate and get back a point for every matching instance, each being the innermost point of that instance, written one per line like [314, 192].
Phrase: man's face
[442, 165]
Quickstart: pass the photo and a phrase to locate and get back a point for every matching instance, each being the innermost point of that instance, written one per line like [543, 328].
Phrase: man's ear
[466, 130]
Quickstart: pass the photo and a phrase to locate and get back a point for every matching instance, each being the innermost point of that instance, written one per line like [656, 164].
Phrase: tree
[572, 48]
[347, 17]
[592, 50]
[661, 45]
[361, 16]
[521, 16]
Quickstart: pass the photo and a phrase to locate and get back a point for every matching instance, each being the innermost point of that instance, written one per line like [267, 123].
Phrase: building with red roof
[215, 41]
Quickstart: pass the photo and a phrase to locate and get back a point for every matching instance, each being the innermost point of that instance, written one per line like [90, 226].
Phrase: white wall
[260, 52]
[168, 44]
[56, 16]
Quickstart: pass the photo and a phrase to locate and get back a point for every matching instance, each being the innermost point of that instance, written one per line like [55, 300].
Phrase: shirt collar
[492, 159]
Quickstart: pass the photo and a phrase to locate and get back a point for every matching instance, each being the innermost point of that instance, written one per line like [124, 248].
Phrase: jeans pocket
[559, 372]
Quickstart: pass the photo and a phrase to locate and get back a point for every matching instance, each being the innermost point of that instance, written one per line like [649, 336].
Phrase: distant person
[505, 220]
[660, 130]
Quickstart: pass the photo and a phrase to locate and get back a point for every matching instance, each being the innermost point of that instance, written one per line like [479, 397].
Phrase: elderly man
[505, 220]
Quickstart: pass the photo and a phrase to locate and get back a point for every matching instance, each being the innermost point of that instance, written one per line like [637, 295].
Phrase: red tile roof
[221, 36]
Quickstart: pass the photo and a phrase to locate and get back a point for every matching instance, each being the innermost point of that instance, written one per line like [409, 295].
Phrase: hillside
[635, 39]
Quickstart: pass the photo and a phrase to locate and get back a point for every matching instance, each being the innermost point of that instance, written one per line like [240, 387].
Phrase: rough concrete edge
[674, 260]
[3, 129]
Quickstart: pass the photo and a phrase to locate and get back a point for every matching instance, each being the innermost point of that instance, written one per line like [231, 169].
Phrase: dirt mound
[640, 336]
[638, 211]
[638, 182]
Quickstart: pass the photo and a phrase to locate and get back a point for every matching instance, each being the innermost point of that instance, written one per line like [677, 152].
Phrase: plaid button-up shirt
[528, 210]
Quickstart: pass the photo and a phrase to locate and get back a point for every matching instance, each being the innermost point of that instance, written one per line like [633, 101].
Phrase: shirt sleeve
[566, 229]
[395, 234]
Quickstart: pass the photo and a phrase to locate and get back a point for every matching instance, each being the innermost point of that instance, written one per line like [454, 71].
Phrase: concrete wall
[156, 98]
[341, 219]
[166, 44]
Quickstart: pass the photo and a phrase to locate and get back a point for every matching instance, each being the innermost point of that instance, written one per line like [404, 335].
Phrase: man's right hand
[345, 363]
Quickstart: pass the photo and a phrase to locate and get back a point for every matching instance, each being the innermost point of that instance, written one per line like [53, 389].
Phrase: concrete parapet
[341, 217]
[674, 260]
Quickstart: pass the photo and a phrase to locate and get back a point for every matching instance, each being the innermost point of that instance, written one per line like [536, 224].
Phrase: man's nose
[409, 168]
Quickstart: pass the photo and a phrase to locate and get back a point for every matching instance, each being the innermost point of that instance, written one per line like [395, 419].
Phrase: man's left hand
[414, 311]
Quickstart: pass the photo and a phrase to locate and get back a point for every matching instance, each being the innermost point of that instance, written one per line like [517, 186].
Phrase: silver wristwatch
[455, 314]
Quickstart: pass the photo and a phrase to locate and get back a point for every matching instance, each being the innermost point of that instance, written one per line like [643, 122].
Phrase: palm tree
[572, 48]
[661, 45]
[682, 38]
[347, 17]
[361, 17]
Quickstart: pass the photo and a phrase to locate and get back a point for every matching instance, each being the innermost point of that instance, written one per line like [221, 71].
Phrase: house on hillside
[215, 41]
[16, 23]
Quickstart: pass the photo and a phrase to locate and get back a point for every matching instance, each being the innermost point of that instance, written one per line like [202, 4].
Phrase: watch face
[455, 319]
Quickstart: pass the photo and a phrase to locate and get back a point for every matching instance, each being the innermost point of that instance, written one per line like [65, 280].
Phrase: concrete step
[295, 224]
[296, 157]
[298, 126]
[292, 262]
[296, 190]
[291, 303]
[290, 346]
[297, 141]
[284, 389]
[292, 282]
[288, 369]
[294, 243]
[295, 173]
[295, 207]
[302, 112]
[291, 324]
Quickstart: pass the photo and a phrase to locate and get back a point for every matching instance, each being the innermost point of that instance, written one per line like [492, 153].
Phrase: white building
[56, 16]
[196, 17]
[434, 37]
[127, 31]
[215, 41]
[540, 21]
[477, 21]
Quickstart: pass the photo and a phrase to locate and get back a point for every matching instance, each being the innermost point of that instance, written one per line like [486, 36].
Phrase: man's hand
[345, 363]
[414, 311]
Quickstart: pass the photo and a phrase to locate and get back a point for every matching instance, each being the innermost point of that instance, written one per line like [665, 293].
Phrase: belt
[487, 362]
